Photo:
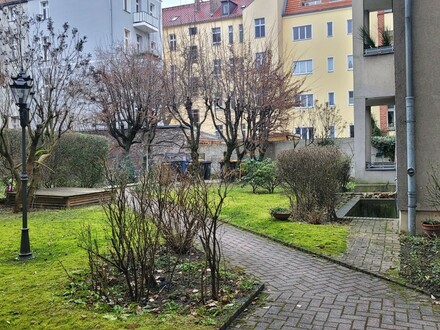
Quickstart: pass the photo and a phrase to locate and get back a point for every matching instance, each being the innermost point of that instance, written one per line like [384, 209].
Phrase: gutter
[410, 121]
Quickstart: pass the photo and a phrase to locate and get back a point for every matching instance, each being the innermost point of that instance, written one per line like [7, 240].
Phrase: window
[138, 6]
[240, 33]
[302, 67]
[152, 9]
[192, 31]
[306, 133]
[302, 32]
[350, 98]
[331, 132]
[138, 43]
[260, 58]
[331, 99]
[217, 67]
[260, 31]
[10, 14]
[350, 62]
[329, 29]
[219, 131]
[173, 72]
[172, 42]
[330, 64]
[225, 8]
[46, 48]
[231, 34]
[216, 36]
[126, 5]
[391, 118]
[351, 131]
[218, 98]
[195, 114]
[44, 10]
[193, 53]
[126, 39]
[349, 26]
[305, 101]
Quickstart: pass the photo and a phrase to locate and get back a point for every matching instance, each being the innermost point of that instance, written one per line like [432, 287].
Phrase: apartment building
[374, 88]
[424, 144]
[108, 22]
[317, 36]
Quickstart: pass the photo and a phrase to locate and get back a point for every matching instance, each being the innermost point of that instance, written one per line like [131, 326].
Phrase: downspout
[110, 2]
[410, 121]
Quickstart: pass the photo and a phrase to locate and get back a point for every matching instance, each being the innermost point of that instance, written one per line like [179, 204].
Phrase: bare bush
[132, 242]
[312, 177]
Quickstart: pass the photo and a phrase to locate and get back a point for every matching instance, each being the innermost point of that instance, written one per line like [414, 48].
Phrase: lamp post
[21, 89]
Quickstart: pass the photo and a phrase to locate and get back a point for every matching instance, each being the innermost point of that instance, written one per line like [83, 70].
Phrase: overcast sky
[172, 3]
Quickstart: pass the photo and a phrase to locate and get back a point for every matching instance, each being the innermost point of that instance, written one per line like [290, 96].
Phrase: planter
[431, 230]
[281, 215]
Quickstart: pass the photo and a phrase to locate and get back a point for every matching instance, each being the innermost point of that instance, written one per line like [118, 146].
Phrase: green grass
[31, 292]
[251, 211]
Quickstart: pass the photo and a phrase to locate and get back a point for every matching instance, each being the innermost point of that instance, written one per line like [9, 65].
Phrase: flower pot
[431, 230]
[281, 215]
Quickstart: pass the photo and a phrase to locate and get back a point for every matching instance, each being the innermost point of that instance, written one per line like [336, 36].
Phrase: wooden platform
[58, 198]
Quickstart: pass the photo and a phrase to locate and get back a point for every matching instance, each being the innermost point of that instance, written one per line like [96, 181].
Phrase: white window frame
[172, 42]
[309, 98]
[138, 6]
[139, 43]
[350, 98]
[260, 27]
[301, 32]
[126, 4]
[218, 130]
[152, 9]
[240, 33]
[127, 39]
[302, 67]
[11, 13]
[44, 9]
[231, 34]
[305, 132]
[192, 31]
[217, 67]
[392, 111]
[350, 63]
[350, 26]
[330, 64]
[331, 103]
[216, 35]
[260, 58]
[329, 29]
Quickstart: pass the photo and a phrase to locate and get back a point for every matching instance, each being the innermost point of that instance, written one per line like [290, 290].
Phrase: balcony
[145, 22]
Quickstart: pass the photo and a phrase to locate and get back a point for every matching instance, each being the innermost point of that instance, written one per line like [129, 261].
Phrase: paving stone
[313, 293]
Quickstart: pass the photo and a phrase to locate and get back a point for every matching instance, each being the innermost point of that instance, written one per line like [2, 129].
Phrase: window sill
[379, 51]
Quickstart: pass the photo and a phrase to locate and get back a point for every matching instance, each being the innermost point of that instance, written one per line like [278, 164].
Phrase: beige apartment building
[313, 38]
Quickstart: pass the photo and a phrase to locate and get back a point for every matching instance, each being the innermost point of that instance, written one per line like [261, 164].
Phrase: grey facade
[108, 23]
[373, 86]
[426, 73]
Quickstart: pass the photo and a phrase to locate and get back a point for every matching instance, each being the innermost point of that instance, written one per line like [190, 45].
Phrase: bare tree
[55, 61]
[127, 89]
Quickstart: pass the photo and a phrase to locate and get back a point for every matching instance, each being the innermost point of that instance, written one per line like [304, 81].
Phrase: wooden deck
[59, 198]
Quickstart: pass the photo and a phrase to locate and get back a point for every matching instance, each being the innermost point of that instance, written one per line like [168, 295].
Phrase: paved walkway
[373, 245]
[306, 292]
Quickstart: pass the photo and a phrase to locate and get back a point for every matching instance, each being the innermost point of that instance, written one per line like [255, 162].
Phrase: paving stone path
[305, 292]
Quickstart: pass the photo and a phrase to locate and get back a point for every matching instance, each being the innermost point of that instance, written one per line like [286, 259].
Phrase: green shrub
[385, 144]
[77, 161]
[260, 174]
[420, 262]
[311, 178]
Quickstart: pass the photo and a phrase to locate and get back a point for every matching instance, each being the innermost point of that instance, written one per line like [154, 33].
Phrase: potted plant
[280, 213]
[431, 227]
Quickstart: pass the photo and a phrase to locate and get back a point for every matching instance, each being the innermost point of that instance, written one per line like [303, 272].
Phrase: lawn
[251, 211]
[33, 293]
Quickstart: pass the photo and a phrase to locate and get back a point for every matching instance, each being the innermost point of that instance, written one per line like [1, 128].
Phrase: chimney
[197, 5]
[214, 5]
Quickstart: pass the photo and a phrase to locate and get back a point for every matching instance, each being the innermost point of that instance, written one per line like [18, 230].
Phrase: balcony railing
[379, 50]
[145, 22]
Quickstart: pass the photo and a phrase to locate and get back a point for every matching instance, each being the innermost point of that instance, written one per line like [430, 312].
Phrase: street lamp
[21, 89]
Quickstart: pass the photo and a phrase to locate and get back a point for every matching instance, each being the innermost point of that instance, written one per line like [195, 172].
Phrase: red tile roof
[294, 7]
[187, 14]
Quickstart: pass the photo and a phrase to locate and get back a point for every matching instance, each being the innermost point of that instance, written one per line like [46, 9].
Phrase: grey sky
[172, 3]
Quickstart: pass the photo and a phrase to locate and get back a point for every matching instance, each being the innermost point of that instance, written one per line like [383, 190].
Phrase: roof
[295, 7]
[5, 3]
[187, 14]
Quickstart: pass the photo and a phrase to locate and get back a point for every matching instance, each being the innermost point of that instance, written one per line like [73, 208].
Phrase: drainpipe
[410, 121]
[110, 2]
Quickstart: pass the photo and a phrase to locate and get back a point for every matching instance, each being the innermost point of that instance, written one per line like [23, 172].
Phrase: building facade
[107, 23]
[374, 90]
